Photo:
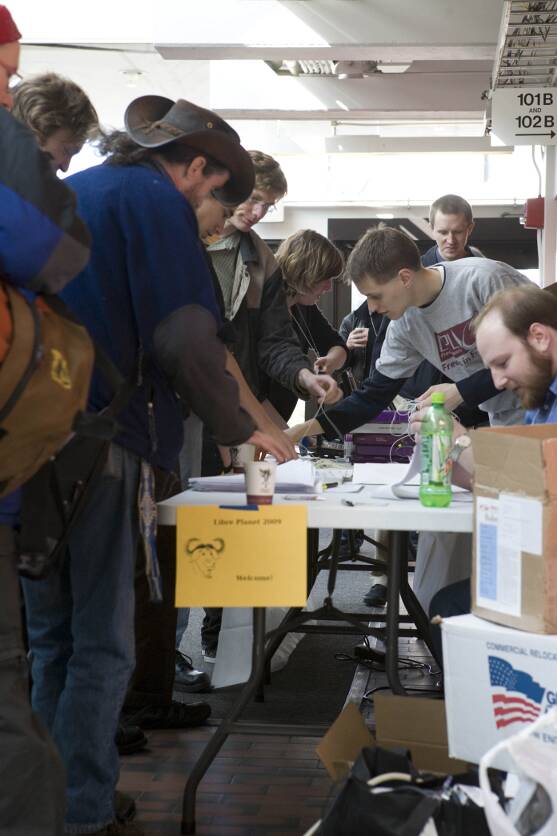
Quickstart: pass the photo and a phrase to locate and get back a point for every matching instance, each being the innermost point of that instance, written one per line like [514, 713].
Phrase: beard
[540, 378]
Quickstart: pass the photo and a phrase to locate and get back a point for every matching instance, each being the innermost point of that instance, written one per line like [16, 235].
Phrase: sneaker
[186, 678]
[177, 715]
[210, 654]
[129, 739]
[377, 596]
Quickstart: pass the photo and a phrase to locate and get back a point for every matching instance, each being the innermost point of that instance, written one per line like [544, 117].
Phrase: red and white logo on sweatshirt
[456, 341]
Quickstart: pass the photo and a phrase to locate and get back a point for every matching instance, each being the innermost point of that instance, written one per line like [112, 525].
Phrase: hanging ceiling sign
[525, 115]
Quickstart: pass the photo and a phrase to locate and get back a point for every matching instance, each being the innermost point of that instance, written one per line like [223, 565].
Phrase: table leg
[397, 565]
[224, 729]
[415, 610]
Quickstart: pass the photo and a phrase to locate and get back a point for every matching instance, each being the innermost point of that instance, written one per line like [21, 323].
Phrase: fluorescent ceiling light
[392, 68]
[361, 144]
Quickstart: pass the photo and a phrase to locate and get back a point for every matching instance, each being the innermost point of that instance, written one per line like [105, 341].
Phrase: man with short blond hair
[452, 223]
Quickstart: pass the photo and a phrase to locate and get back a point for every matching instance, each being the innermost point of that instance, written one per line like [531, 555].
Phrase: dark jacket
[313, 330]
[433, 256]
[360, 359]
[266, 344]
[43, 242]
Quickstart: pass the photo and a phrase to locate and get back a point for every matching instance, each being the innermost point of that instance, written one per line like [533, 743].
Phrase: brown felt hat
[155, 121]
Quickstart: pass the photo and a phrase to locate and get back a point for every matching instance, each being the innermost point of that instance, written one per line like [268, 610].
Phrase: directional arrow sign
[525, 115]
[551, 134]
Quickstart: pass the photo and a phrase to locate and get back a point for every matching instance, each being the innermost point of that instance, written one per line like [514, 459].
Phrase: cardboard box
[497, 680]
[418, 724]
[514, 576]
[402, 723]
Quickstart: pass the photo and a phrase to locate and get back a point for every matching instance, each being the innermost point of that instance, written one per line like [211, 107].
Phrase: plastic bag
[534, 808]
[385, 795]
[234, 653]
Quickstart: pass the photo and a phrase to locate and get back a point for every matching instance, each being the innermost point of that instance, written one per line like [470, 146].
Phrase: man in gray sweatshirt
[431, 310]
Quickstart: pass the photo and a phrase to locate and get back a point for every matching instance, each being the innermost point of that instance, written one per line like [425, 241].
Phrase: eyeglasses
[14, 80]
[13, 76]
[266, 207]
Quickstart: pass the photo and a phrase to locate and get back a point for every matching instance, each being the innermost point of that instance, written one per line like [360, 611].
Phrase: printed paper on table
[238, 557]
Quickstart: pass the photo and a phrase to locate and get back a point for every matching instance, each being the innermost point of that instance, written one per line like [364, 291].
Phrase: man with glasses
[254, 295]
[9, 57]
[266, 345]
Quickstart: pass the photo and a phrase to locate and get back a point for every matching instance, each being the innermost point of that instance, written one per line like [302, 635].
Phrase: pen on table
[330, 485]
[370, 504]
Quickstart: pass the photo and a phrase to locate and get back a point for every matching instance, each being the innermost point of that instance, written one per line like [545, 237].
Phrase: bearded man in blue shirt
[516, 336]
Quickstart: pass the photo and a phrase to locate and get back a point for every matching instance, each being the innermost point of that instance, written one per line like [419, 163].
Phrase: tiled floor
[257, 785]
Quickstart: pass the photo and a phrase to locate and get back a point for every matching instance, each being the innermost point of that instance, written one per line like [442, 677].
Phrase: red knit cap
[8, 30]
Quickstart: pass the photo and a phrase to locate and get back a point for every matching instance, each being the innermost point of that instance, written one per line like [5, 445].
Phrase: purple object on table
[389, 444]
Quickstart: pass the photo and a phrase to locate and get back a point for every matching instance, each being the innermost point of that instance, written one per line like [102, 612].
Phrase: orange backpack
[46, 362]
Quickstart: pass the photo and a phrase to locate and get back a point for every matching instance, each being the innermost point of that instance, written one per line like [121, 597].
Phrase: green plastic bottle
[436, 441]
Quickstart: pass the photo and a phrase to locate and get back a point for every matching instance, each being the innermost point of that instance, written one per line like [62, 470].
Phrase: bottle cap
[438, 398]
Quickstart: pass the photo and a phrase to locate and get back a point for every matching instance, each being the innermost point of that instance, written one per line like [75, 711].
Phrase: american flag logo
[516, 697]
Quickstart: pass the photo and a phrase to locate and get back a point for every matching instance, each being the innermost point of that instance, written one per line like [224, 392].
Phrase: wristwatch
[462, 443]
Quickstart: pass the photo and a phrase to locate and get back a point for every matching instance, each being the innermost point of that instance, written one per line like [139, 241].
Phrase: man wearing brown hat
[147, 298]
[43, 245]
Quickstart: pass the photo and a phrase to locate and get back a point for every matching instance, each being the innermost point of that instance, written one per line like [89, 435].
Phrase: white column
[549, 237]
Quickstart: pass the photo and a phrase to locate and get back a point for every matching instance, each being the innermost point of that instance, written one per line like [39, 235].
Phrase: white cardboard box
[497, 680]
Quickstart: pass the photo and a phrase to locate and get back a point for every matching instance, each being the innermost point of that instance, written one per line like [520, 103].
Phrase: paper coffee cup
[241, 455]
[260, 482]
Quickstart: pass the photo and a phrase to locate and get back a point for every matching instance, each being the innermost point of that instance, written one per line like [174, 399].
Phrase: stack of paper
[384, 474]
[298, 476]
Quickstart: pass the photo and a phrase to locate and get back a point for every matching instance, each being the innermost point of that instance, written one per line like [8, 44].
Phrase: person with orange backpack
[43, 244]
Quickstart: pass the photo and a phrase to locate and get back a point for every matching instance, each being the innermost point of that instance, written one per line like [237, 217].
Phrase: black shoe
[177, 715]
[129, 739]
[345, 550]
[186, 678]
[377, 596]
[124, 807]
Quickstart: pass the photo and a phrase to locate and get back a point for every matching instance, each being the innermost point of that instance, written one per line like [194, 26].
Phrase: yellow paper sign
[233, 557]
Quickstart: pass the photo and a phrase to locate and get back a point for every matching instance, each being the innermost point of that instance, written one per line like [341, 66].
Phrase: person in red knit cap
[9, 55]
[43, 244]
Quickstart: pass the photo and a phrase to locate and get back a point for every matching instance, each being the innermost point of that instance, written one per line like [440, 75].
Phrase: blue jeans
[80, 623]
[181, 624]
[32, 779]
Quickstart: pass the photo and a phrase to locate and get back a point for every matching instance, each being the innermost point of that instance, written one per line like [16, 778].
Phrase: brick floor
[256, 785]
